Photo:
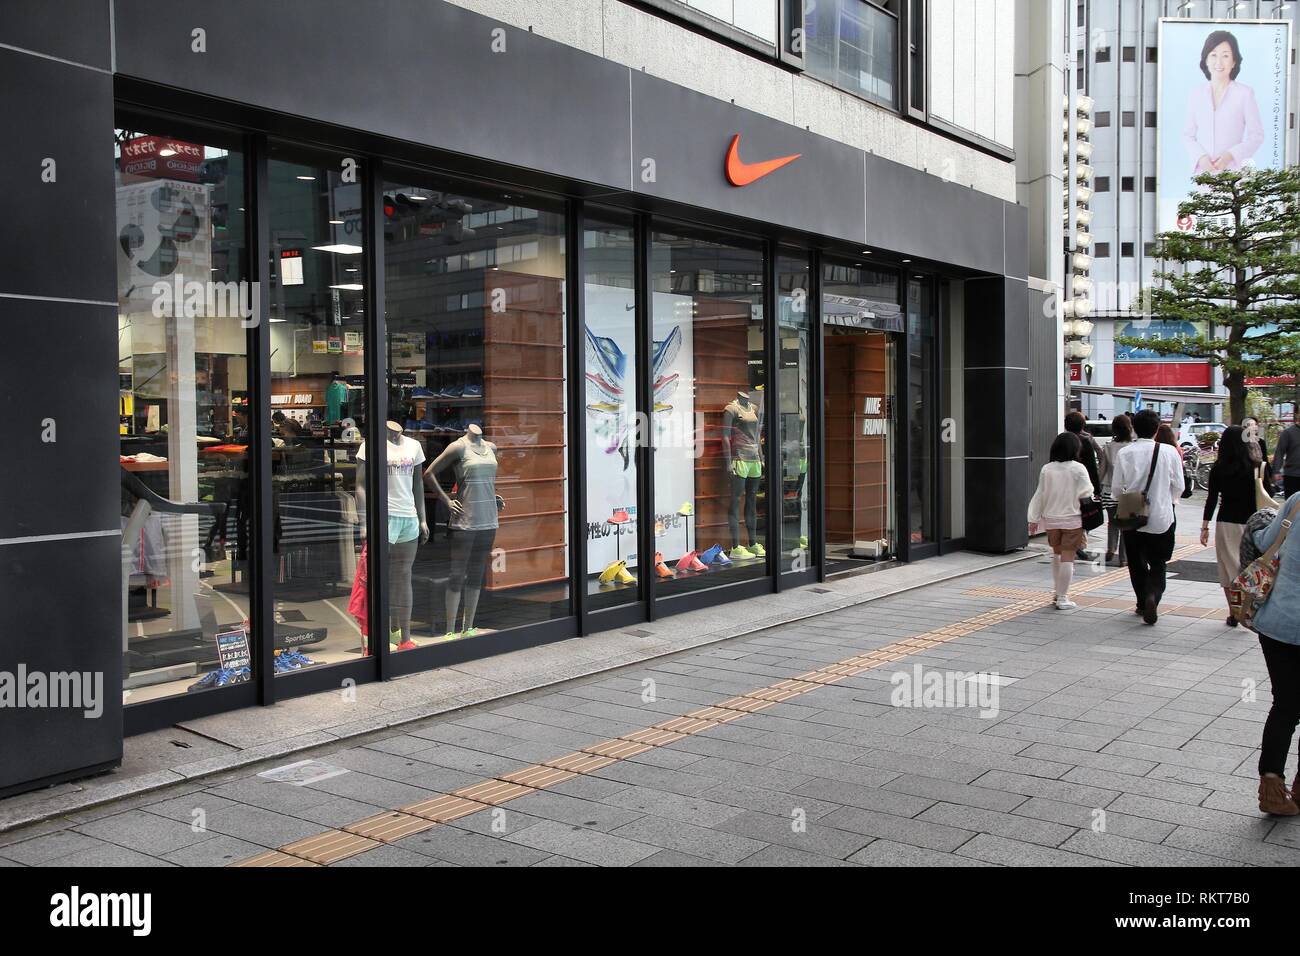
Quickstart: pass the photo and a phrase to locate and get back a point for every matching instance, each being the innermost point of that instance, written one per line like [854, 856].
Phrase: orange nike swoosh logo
[742, 174]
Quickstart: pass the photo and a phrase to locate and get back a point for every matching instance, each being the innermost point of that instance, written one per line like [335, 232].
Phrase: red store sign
[162, 158]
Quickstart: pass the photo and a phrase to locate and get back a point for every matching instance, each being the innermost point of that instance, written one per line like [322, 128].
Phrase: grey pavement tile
[1065, 790]
[340, 811]
[1202, 818]
[812, 837]
[268, 794]
[746, 797]
[399, 744]
[465, 760]
[1143, 786]
[189, 808]
[865, 797]
[705, 745]
[686, 838]
[741, 733]
[107, 855]
[889, 853]
[1118, 849]
[675, 806]
[938, 768]
[964, 794]
[1084, 818]
[143, 832]
[644, 775]
[592, 814]
[390, 794]
[1069, 757]
[1167, 755]
[587, 787]
[50, 846]
[988, 848]
[498, 821]
[1009, 825]
[934, 836]
[825, 768]
[1027, 734]
[264, 827]
[1254, 852]
[562, 861]
[667, 758]
[789, 856]
[217, 851]
[465, 848]
[779, 776]
[1245, 784]
[586, 845]
[1002, 743]
[673, 858]
[5, 861]
[1286, 833]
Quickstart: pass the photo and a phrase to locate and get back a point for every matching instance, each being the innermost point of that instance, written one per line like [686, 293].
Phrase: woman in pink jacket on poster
[1223, 128]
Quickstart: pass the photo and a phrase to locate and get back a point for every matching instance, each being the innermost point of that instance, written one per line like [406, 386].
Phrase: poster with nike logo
[740, 173]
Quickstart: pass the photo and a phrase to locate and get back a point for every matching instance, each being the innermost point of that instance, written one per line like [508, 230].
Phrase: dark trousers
[1290, 485]
[1283, 662]
[1147, 556]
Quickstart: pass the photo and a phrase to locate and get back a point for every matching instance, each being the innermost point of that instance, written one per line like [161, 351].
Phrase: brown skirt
[1227, 546]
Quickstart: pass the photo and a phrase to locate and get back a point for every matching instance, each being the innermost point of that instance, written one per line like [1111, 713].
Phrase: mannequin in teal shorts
[742, 426]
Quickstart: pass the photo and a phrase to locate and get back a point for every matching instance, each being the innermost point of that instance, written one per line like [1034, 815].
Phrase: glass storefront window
[610, 469]
[862, 317]
[710, 380]
[183, 305]
[474, 298]
[952, 408]
[920, 409]
[317, 329]
[794, 330]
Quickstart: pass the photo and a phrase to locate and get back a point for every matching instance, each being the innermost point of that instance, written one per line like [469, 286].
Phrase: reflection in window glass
[609, 311]
[317, 409]
[183, 414]
[709, 388]
[794, 331]
[474, 301]
[921, 409]
[852, 44]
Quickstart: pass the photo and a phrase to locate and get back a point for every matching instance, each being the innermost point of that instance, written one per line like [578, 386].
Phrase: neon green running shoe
[758, 549]
[741, 553]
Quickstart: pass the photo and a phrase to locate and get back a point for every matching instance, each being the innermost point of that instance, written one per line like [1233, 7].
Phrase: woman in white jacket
[1055, 508]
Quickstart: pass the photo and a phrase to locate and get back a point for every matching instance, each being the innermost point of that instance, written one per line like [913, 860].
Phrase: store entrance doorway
[860, 446]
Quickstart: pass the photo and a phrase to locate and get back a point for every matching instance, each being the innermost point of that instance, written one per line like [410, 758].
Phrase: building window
[1128, 118]
[1126, 250]
[1103, 55]
[710, 368]
[1149, 119]
[916, 55]
[1080, 15]
[1103, 184]
[1149, 184]
[1152, 55]
[853, 45]
[1150, 249]
[754, 18]
[1129, 54]
[1102, 250]
[1078, 78]
[474, 293]
[1126, 184]
[1103, 118]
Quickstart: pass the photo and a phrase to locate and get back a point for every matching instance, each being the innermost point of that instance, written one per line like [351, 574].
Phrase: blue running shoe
[422, 392]
[666, 350]
[604, 353]
[207, 680]
[710, 556]
[472, 391]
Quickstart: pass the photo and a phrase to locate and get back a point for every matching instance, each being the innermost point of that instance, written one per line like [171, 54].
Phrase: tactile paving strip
[330, 847]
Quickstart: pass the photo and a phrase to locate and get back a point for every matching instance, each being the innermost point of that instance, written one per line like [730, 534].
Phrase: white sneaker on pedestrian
[1065, 604]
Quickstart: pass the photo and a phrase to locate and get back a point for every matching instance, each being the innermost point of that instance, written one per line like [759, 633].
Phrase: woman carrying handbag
[1064, 491]
[1232, 490]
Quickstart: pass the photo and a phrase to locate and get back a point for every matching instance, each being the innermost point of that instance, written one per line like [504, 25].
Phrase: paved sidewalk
[1110, 742]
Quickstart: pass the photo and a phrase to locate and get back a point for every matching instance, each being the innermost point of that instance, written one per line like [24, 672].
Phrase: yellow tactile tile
[617, 748]
[821, 677]
[579, 762]
[444, 809]
[330, 847]
[686, 725]
[274, 858]
[537, 777]
[655, 738]
[493, 792]
[745, 705]
[390, 827]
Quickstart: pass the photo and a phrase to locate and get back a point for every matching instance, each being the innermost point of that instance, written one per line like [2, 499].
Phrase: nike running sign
[742, 174]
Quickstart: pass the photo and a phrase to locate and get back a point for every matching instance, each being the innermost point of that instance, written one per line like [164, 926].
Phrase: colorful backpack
[1254, 584]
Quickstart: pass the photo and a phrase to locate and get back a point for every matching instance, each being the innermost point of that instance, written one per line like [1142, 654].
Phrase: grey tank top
[476, 484]
[744, 436]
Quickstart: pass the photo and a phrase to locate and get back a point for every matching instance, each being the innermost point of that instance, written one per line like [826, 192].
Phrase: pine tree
[1239, 278]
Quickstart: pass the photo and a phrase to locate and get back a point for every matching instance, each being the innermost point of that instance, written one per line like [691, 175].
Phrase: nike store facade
[419, 337]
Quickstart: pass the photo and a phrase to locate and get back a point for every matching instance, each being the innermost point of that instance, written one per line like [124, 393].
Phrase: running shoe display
[758, 549]
[661, 569]
[741, 553]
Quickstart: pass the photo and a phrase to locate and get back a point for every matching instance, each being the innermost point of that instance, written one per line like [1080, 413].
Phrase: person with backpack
[1232, 491]
[1277, 622]
[1153, 473]
[1055, 507]
[1088, 455]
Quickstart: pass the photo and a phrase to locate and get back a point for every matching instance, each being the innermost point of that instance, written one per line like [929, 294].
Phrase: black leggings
[469, 554]
[749, 488]
[400, 559]
[1283, 662]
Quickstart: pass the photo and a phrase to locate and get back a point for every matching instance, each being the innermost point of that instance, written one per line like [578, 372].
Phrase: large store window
[862, 317]
[708, 422]
[474, 297]
[794, 331]
[853, 44]
[921, 410]
[183, 308]
[317, 346]
[610, 357]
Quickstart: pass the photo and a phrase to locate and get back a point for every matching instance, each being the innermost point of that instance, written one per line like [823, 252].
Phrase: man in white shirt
[1151, 546]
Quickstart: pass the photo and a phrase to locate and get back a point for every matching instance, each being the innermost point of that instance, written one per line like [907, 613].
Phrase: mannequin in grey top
[742, 424]
[473, 516]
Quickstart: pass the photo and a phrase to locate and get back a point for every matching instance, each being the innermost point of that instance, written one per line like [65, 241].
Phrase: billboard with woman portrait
[1222, 104]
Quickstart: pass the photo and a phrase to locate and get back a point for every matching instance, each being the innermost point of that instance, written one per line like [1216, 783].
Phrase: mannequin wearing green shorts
[741, 427]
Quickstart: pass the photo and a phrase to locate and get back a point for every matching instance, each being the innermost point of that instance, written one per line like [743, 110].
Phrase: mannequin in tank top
[473, 517]
[742, 426]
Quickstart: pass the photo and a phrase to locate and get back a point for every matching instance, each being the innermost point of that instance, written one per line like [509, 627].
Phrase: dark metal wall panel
[57, 238]
[686, 134]
[418, 70]
[62, 602]
[74, 30]
[1044, 421]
